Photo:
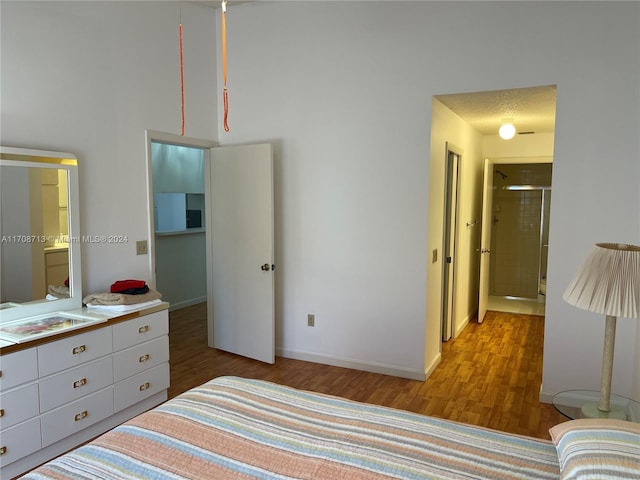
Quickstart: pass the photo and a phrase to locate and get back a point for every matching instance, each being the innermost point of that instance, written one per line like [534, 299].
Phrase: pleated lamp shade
[609, 281]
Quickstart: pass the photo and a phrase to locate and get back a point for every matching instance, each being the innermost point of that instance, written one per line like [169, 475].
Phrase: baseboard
[353, 364]
[436, 361]
[545, 397]
[462, 325]
[186, 303]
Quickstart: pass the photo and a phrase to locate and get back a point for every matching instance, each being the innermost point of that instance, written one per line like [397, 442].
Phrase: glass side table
[575, 404]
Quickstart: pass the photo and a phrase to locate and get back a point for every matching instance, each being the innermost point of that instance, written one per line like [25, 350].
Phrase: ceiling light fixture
[507, 130]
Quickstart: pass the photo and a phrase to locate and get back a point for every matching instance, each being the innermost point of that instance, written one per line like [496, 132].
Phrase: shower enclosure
[520, 230]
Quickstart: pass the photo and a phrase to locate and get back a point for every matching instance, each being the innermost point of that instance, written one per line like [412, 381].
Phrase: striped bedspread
[232, 427]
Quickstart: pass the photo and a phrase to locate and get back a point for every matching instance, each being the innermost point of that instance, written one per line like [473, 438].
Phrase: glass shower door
[519, 241]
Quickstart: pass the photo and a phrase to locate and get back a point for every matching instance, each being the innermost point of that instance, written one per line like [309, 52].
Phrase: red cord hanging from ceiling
[225, 94]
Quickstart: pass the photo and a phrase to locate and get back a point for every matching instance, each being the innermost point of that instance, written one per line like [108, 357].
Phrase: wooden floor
[489, 376]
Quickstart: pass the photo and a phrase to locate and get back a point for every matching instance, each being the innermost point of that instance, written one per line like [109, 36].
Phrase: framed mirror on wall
[40, 265]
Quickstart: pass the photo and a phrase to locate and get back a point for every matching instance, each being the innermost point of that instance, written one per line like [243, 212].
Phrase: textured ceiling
[531, 109]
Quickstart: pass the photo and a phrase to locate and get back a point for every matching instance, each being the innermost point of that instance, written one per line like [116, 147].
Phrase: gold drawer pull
[144, 358]
[1, 412]
[144, 386]
[80, 349]
[143, 329]
[80, 383]
[81, 415]
[3, 450]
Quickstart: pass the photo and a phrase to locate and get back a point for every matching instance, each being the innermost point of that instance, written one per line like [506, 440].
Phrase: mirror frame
[22, 157]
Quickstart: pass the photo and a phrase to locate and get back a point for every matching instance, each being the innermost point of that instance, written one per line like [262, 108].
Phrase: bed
[233, 427]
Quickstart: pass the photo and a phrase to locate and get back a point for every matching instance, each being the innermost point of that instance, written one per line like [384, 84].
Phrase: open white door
[240, 251]
[485, 243]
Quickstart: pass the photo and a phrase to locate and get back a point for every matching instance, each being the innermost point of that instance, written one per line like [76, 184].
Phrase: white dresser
[62, 392]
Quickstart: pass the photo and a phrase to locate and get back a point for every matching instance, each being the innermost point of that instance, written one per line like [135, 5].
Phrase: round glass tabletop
[575, 404]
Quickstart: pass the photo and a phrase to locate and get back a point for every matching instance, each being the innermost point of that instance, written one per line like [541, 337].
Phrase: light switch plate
[141, 247]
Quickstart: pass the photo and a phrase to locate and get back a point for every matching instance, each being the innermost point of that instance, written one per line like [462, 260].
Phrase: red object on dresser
[122, 285]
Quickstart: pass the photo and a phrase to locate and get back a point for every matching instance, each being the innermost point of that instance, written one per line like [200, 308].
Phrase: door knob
[265, 267]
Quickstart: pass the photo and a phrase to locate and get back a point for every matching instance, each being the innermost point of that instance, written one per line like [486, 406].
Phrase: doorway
[176, 243]
[235, 218]
[179, 208]
[471, 121]
[519, 233]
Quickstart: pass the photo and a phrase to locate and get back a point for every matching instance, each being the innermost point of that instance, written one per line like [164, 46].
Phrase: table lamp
[608, 283]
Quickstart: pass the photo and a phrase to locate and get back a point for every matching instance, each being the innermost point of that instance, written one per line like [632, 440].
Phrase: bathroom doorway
[519, 224]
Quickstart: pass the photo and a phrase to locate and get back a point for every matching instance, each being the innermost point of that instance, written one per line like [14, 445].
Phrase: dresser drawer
[18, 405]
[64, 421]
[141, 329]
[72, 351]
[140, 358]
[73, 384]
[19, 441]
[19, 367]
[141, 386]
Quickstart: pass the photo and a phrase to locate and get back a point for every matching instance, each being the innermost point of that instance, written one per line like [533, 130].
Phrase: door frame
[171, 139]
[453, 161]
[485, 246]
[485, 238]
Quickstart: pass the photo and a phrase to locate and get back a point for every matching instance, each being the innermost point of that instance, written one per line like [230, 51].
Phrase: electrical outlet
[141, 247]
[311, 320]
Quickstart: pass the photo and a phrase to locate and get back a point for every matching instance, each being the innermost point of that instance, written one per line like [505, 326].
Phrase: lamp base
[590, 410]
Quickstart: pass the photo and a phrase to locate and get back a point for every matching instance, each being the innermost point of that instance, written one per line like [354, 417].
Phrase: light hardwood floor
[489, 376]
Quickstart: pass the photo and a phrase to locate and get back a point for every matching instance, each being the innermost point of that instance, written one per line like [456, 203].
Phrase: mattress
[233, 427]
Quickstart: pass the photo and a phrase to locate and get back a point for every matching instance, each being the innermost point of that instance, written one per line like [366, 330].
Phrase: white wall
[446, 126]
[89, 78]
[181, 272]
[343, 90]
[538, 145]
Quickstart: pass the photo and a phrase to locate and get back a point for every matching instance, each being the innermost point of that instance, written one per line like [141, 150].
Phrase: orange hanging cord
[181, 82]
[225, 95]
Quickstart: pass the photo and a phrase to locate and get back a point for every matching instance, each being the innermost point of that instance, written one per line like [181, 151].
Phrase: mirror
[40, 268]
